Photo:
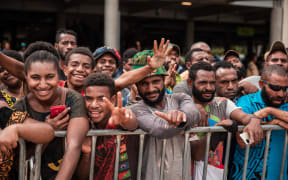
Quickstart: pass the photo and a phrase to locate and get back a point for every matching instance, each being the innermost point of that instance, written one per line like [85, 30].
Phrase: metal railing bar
[37, 166]
[22, 159]
[140, 156]
[246, 161]
[227, 152]
[163, 160]
[106, 132]
[185, 158]
[268, 136]
[206, 155]
[92, 160]
[116, 167]
[284, 156]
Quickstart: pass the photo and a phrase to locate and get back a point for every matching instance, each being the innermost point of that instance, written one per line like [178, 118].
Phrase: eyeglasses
[276, 87]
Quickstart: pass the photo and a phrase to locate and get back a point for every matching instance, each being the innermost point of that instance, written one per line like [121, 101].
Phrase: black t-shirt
[53, 154]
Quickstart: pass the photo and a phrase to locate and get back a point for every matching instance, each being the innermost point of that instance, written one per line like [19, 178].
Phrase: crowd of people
[153, 90]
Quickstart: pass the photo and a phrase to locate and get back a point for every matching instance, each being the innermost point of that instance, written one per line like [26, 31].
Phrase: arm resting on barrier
[76, 133]
[31, 130]
[279, 114]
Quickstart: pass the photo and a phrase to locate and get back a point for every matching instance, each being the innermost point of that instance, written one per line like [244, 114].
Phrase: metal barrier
[209, 130]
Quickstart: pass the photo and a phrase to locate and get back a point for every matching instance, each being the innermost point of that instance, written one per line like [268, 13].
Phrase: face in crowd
[128, 66]
[235, 61]
[97, 109]
[205, 47]
[203, 87]
[77, 69]
[42, 79]
[274, 89]
[106, 64]
[152, 89]
[66, 43]
[279, 58]
[172, 56]
[200, 56]
[8, 79]
[96, 87]
[226, 82]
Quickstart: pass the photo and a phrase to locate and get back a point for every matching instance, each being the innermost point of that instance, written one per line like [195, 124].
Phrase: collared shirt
[250, 104]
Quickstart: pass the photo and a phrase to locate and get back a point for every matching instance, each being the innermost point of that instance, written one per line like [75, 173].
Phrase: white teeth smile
[79, 76]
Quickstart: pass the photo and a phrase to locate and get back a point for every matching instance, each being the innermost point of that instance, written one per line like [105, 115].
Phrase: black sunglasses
[276, 87]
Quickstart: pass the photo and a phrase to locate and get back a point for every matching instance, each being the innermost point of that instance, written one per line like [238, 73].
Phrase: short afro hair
[100, 79]
[80, 50]
[199, 66]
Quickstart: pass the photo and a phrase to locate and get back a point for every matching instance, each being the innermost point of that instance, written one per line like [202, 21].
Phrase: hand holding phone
[55, 110]
[58, 118]
[245, 137]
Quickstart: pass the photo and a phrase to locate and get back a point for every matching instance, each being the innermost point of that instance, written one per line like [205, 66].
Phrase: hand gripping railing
[209, 130]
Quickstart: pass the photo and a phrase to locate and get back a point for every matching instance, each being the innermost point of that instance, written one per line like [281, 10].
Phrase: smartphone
[245, 137]
[55, 110]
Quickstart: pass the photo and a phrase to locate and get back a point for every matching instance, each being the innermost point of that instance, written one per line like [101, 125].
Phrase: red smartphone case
[55, 110]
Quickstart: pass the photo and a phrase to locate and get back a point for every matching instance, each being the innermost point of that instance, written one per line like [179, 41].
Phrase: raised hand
[121, 116]
[160, 53]
[173, 117]
[170, 80]
[59, 122]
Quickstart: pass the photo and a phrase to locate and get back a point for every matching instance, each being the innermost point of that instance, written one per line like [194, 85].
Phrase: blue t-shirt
[252, 103]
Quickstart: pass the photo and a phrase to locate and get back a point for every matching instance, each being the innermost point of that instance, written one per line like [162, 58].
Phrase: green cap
[140, 60]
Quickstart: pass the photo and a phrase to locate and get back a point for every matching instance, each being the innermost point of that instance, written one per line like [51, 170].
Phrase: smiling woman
[41, 72]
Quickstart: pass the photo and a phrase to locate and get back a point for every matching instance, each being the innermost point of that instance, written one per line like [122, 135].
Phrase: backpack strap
[63, 95]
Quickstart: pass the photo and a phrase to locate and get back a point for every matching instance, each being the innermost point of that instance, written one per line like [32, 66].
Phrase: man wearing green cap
[162, 116]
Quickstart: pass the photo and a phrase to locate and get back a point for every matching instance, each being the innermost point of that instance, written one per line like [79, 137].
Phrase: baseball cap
[140, 60]
[106, 50]
[231, 53]
[277, 46]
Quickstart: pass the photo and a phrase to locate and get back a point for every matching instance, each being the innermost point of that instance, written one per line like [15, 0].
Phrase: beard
[198, 94]
[157, 101]
[268, 100]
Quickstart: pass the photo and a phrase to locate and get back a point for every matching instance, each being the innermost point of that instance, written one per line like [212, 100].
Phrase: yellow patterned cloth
[10, 100]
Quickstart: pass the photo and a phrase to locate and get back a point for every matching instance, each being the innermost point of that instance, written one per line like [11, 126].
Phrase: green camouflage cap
[140, 60]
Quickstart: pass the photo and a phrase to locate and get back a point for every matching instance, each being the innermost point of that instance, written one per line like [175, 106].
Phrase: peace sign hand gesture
[121, 116]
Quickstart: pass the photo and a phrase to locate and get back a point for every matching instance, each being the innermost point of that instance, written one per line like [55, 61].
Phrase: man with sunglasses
[274, 86]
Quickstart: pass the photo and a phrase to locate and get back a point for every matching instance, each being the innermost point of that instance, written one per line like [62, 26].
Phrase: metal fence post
[227, 152]
[163, 160]
[22, 159]
[284, 156]
[246, 161]
[206, 155]
[140, 156]
[92, 160]
[268, 135]
[116, 167]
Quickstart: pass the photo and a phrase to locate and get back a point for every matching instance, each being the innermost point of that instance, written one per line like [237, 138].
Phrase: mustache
[278, 98]
[208, 91]
[153, 92]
